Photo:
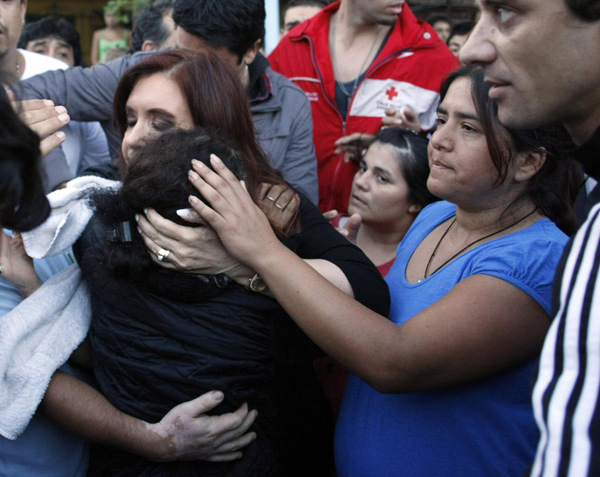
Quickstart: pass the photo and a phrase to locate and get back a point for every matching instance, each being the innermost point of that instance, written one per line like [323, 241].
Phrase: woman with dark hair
[442, 386]
[388, 191]
[159, 337]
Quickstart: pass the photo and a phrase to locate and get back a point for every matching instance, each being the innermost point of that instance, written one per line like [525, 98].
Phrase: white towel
[40, 333]
[37, 337]
[70, 214]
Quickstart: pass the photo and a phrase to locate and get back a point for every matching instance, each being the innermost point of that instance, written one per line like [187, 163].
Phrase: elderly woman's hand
[43, 118]
[191, 434]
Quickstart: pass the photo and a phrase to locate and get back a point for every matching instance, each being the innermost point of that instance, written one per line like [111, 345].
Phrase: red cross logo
[391, 93]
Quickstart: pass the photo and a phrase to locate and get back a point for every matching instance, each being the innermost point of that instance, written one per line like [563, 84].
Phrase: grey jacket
[283, 122]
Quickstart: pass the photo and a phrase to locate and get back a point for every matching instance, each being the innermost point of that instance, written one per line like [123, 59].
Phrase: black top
[177, 337]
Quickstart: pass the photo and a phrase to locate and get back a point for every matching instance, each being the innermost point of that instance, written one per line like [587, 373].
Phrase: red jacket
[407, 72]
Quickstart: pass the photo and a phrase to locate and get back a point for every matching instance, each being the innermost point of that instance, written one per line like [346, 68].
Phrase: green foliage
[125, 9]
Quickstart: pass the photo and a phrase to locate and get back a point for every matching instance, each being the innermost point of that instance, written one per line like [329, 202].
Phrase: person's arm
[299, 164]
[185, 433]
[95, 48]
[482, 326]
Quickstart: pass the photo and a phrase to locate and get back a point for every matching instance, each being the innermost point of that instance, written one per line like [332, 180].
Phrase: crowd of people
[372, 252]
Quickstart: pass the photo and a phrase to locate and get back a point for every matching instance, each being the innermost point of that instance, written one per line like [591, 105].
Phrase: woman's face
[461, 168]
[380, 193]
[154, 106]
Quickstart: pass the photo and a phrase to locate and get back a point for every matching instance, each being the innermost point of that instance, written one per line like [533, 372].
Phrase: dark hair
[54, 26]
[233, 24]
[412, 158]
[156, 177]
[554, 187]
[305, 3]
[149, 25]
[585, 9]
[439, 18]
[23, 204]
[216, 99]
[462, 28]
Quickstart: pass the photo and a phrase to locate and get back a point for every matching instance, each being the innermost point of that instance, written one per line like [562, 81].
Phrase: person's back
[399, 64]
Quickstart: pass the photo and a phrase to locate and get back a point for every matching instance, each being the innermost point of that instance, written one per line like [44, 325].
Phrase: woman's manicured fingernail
[193, 176]
[184, 213]
[215, 159]
[137, 217]
[145, 211]
[193, 200]
[139, 231]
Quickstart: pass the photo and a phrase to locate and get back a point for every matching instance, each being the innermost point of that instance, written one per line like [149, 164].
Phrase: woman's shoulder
[527, 259]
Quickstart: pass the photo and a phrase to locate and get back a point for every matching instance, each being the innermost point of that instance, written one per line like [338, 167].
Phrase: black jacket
[177, 337]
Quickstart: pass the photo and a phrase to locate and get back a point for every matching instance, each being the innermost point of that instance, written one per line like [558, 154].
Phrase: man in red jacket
[355, 60]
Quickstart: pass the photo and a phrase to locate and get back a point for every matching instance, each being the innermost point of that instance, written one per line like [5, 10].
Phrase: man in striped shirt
[543, 59]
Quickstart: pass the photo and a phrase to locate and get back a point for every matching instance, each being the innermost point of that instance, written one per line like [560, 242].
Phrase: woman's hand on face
[279, 203]
[241, 224]
[45, 119]
[195, 250]
[190, 434]
[17, 266]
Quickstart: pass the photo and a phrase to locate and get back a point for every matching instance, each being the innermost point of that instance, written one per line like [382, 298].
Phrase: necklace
[333, 61]
[465, 248]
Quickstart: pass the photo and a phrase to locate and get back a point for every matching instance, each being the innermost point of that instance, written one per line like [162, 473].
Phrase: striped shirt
[566, 394]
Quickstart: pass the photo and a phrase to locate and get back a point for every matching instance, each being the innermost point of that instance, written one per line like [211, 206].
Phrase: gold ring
[163, 255]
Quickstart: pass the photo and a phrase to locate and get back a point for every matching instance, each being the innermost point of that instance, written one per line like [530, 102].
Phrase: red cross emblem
[391, 93]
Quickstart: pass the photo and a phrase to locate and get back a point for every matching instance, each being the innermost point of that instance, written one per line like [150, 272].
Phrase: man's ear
[148, 45]
[250, 55]
[528, 164]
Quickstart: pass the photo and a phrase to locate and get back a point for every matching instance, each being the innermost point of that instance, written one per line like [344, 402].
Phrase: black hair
[412, 158]
[555, 186]
[462, 28]
[23, 204]
[149, 25]
[588, 10]
[305, 3]
[439, 18]
[54, 26]
[233, 24]
[157, 177]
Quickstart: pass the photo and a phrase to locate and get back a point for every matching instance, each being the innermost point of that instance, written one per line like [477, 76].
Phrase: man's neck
[349, 25]
[353, 44]
[582, 129]
[9, 62]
